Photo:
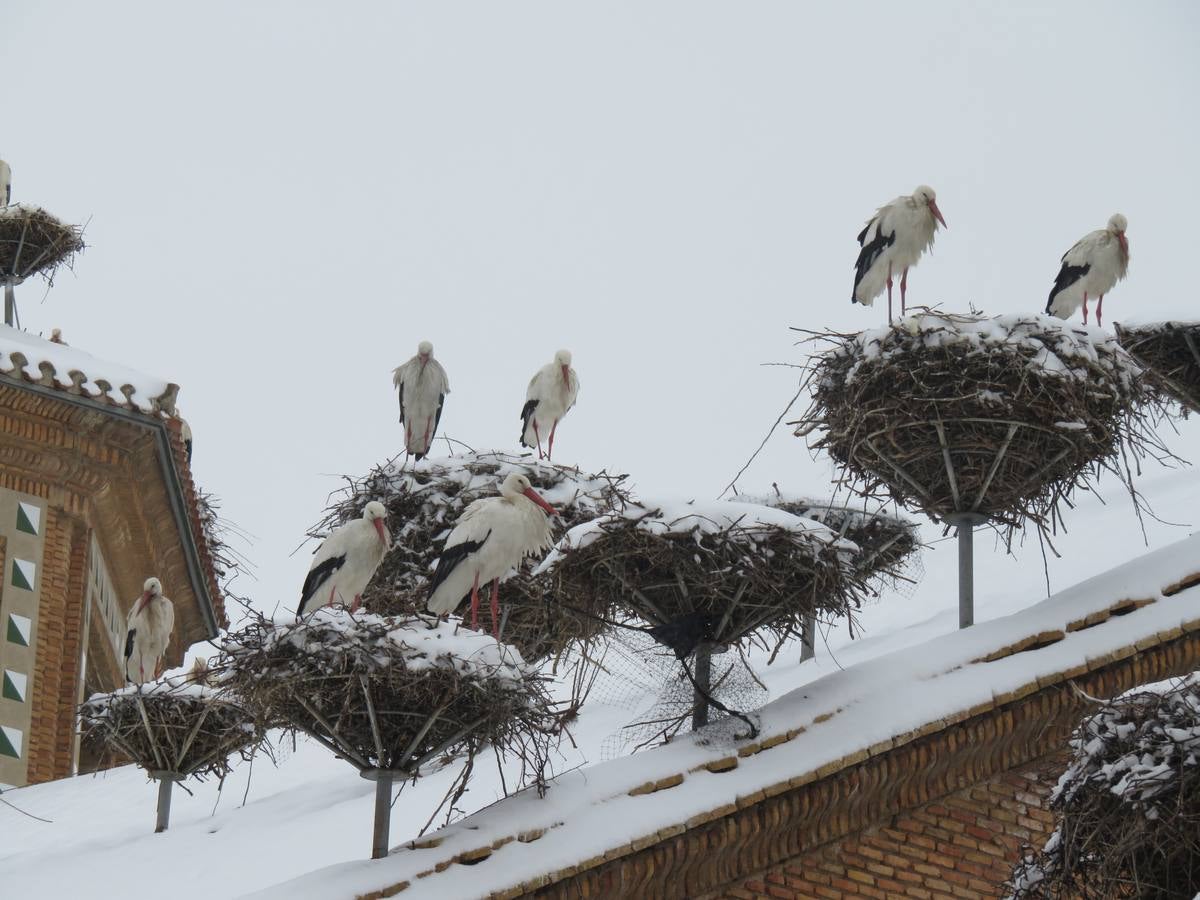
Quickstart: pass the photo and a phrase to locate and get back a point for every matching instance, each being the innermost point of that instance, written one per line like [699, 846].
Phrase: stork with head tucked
[5, 184]
[491, 537]
[1093, 266]
[344, 563]
[894, 240]
[148, 631]
[423, 387]
[552, 392]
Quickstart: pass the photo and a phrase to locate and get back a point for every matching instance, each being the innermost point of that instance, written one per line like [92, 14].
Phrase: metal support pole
[808, 638]
[166, 783]
[383, 810]
[703, 676]
[965, 524]
[10, 304]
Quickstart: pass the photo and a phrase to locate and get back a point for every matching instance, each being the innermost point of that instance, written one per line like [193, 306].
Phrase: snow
[733, 520]
[588, 813]
[66, 359]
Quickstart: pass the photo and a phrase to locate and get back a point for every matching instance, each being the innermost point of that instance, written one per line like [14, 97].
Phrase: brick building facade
[95, 496]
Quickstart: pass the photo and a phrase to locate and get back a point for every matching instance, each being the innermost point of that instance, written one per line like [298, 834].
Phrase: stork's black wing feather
[526, 414]
[318, 575]
[450, 559]
[1067, 276]
[869, 253]
[402, 403]
[129, 651]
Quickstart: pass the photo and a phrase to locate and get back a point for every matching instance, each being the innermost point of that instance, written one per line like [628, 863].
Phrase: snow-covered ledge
[847, 717]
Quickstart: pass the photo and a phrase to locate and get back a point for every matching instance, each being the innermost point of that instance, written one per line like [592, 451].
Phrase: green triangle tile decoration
[29, 518]
[13, 685]
[10, 742]
[23, 573]
[18, 629]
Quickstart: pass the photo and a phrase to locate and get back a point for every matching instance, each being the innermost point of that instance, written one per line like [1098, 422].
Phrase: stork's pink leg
[1099, 306]
[356, 604]
[903, 288]
[1085, 307]
[425, 443]
[495, 604]
[407, 434]
[475, 604]
[332, 596]
[553, 428]
[889, 285]
[539, 439]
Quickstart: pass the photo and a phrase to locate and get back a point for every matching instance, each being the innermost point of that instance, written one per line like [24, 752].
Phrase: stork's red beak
[1124, 242]
[143, 602]
[937, 213]
[566, 370]
[384, 537]
[537, 498]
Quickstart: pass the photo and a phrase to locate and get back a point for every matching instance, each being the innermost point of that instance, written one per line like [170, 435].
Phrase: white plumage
[423, 387]
[552, 392]
[344, 563]
[491, 537]
[148, 631]
[894, 240]
[1090, 269]
[5, 184]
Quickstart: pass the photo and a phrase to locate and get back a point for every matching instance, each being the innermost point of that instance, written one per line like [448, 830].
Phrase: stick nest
[1128, 804]
[424, 503]
[392, 693]
[170, 726]
[32, 241]
[1171, 352]
[731, 570]
[1002, 417]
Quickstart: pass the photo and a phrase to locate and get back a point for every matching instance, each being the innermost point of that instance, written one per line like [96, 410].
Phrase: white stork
[894, 240]
[344, 563]
[5, 183]
[151, 621]
[1093, 266]
[423, 387]
[491, 537]
[552, 392]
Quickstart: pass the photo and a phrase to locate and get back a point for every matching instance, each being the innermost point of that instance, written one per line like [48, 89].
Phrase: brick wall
[961, 847]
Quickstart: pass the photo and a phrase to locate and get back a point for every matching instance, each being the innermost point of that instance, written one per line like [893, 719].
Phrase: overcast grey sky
[284, 198]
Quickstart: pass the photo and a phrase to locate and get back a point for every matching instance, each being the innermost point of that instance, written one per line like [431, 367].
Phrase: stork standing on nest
[894, 240]
[423, 387]
[344, 563]
[5, 183]
[491, 537]
[552, 392]
[1093, 266]
[148, 631]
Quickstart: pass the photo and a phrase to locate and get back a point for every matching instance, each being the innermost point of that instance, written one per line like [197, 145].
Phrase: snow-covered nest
[391, 693]
[885, 542]
[1171, 352]
[714, 572]
[171, 725]
[1003, 417]
[1128, 803]
[424, 502]
[33, 241]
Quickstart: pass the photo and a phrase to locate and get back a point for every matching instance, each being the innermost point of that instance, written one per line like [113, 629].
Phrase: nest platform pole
[808, 638]
[964, 524]
[703, 663]
[166, 783]
[10, 303]
[380, 835]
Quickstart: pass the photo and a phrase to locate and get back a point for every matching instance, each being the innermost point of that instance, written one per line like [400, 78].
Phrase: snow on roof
[27, 358]
[830, 723]
[739, 521]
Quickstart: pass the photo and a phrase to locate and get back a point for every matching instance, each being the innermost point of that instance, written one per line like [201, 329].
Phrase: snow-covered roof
[606, 810]
[30, 359]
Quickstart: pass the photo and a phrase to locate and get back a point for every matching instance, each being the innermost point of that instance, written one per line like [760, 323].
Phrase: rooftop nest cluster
[1003, 417]
[713, 574]
[1171, 353]
[425, 501]
[392, 693]
[171, 725]
[32, 241]
[1128, 804]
